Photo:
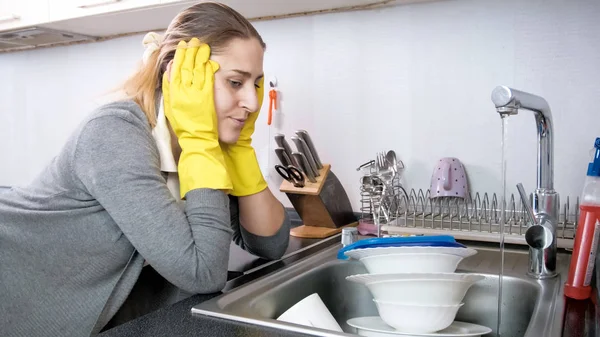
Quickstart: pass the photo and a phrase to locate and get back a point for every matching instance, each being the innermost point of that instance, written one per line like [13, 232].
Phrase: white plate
[375, 326]
[360, 253]
[370, 278]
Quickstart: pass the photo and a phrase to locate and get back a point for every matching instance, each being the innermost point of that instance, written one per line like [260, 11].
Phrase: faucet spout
[508, 101]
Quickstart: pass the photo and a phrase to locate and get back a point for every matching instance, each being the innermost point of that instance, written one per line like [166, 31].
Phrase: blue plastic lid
[431, 241]
[594, 167]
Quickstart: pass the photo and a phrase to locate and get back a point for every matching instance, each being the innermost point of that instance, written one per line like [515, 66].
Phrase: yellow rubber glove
[190, 109]
[241, 158]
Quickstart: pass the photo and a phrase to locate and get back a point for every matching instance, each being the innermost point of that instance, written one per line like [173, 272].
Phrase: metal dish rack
[476, 217]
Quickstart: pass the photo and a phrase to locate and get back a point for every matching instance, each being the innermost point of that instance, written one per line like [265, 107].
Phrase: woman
[74, 242]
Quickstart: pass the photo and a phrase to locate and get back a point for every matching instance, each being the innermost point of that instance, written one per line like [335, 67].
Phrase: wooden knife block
[323, 206]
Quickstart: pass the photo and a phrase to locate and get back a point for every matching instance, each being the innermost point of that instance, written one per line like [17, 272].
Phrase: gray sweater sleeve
[117, 164]
[268, 247]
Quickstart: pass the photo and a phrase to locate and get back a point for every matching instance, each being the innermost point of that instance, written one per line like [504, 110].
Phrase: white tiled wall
[415, 78]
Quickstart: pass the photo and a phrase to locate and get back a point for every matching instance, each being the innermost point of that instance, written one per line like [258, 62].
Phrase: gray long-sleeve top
[73, 243]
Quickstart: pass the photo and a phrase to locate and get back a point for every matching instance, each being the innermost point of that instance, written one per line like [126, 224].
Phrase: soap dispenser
[586, 238]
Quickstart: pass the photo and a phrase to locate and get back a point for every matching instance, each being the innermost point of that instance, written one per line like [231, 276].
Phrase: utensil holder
[323, 206]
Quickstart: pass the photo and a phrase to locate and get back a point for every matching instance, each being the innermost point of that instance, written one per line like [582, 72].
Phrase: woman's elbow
[208, 281]
[282, 242]
[209, 272]
[213, 287]
[281, 249]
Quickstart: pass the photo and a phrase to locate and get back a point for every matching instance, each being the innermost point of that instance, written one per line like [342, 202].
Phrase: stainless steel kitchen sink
[529, 307]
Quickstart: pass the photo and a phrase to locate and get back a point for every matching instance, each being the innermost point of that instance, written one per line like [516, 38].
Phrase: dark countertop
[580, 319]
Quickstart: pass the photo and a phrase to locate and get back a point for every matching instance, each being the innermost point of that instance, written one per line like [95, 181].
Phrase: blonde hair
[212, 23]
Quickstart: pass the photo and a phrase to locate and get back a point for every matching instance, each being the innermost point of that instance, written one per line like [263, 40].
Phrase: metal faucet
[543, 210]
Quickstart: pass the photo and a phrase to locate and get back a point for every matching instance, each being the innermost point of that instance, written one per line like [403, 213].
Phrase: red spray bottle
[588, 231]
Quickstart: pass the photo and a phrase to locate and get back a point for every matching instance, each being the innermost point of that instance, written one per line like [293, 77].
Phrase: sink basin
[529, 307]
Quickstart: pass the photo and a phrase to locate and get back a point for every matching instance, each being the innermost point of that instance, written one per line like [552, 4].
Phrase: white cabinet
[110, 18]
[255, 9]
[21, 13]
[69, 9]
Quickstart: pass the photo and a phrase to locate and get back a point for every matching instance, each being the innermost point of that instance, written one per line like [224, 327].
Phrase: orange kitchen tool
[272, 102]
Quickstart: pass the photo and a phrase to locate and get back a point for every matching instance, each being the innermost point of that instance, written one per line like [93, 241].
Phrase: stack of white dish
[415, 289]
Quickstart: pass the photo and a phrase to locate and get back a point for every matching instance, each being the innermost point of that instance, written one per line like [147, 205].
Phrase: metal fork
[386, 173]
[384, 169]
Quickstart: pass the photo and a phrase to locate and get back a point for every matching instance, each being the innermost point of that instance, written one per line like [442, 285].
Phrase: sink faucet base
[541, 267]
[542, 261]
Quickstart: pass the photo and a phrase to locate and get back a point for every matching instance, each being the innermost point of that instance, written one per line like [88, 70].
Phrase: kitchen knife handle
[300, 148]
[311, 146]
[279, 139]
[304, 166]
[281, 142]
[283, 157]
[309, 156]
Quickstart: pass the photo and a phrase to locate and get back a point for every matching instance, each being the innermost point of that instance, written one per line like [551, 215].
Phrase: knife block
[323, 206]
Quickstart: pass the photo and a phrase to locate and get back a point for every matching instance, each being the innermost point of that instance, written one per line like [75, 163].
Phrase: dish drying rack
[476, 217]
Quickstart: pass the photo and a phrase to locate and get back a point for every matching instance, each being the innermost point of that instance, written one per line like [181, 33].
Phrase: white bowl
[414, 318]
[360, 253]
[418, 288]
[411, 263]
[374, 326]
[311, 311]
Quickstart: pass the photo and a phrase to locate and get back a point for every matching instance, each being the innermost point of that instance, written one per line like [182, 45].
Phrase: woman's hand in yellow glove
[241, 158]
[190, 109]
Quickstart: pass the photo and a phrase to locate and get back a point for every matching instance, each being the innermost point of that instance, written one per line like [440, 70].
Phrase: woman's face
[241, 68]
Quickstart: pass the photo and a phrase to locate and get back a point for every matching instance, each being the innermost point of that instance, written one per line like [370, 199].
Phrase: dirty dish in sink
[374, 326]
[311, 311]
[365, 252]
[405, 241]
[420, 244]
[418, 288]
[417, 318]
[411, 263]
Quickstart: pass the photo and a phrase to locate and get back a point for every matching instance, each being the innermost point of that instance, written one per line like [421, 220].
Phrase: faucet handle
[539, 234]
[525, 201]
